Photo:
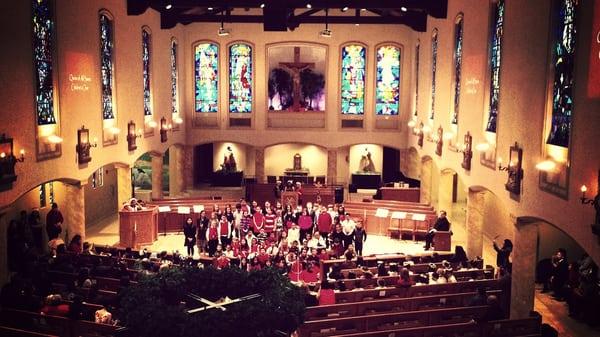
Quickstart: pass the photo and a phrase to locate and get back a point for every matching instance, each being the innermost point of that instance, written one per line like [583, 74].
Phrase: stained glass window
[353, 79]
[146, 70]
[174, 79]
[206, 75]
[106, 61]
[434, 50]
[458, 42]
[240, 78]
[43, 35]
[495, 53]
[417, 56]
[563, 60]
[387, 91]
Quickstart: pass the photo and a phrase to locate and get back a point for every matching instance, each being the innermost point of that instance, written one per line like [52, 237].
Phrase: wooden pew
[351, 296]
[12, 332]
[53, 325]
[391, 305]
[530, 328]
[399, 320]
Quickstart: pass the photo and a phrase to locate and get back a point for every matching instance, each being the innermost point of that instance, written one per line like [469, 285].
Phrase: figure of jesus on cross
[295, 68]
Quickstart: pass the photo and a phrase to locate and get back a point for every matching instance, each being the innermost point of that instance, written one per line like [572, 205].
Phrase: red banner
[594, 65]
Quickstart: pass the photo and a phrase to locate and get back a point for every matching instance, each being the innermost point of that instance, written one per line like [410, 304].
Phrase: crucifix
[295, 68]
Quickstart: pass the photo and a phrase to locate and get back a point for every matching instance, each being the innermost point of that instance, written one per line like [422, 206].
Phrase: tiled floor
[106, 232]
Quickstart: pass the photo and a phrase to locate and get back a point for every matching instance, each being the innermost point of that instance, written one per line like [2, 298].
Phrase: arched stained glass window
[353, 79]
[106, 65]
[174, 79]
[146, 69]
[387, 91]
[417, 57]
[495, 58]
[206, 77]
[458, 45]
[240, 78]
[434, 50]
[43, 44]
[563, 60]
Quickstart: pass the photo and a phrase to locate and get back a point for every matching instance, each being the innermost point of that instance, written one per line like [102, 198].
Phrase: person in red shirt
[258, 220]
[222, 262]
[324, 222]
[75, 246]
[326, 293]
[224, 230]
[306, 224]
[299, 190]
[263, 257]
[269, 220]
[54, 307]
[310, 274]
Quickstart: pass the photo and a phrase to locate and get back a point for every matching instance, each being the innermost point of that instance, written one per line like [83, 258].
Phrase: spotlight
[210, 8]
[325, 33]
[169, 6]
[404, 9]
[309, 6]
[345, 8]
[262, 5]
[223, 32]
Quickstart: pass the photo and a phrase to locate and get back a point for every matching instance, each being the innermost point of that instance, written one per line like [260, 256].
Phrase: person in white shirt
[316, 241]
[293, 234]
[348, 226]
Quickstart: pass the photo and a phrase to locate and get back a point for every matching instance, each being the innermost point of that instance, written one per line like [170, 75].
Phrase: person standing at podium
[189, 231]
[441, 224]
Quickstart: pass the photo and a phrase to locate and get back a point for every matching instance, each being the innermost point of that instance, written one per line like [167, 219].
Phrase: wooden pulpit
[289, 197]
[138, 228]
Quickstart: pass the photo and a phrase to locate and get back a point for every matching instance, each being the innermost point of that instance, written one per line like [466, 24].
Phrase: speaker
[276, 18]
[339, 195]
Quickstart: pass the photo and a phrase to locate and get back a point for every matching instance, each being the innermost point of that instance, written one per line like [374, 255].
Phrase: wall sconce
[515, 173]
[8, 162]
[594, 202]
[421, 135]
[439, 139]
[132, 136]
[467, 152]
[83, 145]
[164, 128]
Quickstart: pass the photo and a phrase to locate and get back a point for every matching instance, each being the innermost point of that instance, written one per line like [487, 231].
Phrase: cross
[295, 68]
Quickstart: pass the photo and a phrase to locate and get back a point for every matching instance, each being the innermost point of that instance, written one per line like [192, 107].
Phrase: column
[474, 222]
[73, 211]
[445, 191]
[523, 270]
[331, 166]
[124, 187]
[176, 170]
[157, 172]
[259, 164]
[426, 181]
[404, 161]
[4, 272]
[188, 167]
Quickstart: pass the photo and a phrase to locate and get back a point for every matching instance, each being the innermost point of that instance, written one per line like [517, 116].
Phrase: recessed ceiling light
[344, 8]
[169, 6]
[308, 6]
[262, 5]
[210, 8]
[404, 9]
[363, 9]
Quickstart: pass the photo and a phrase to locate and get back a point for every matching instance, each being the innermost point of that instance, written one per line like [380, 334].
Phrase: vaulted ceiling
[281, 15]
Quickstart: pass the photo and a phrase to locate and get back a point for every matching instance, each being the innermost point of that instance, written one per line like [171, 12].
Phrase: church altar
[366, 180]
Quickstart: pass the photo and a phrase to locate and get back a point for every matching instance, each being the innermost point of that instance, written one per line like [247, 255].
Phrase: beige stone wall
[101, 202]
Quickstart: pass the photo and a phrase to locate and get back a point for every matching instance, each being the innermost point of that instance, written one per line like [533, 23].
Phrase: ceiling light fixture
[309, 6]
[345, 8]
[326, 32]
[262, 5]
[404, 9]
[222, 31]
[169, 6]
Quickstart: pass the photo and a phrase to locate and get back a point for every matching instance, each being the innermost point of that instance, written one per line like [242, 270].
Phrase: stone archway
[414, 164]
[447, 191]
[426, 179]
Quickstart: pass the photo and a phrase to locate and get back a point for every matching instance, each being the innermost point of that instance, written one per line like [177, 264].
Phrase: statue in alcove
[366, 163]
[297, 162]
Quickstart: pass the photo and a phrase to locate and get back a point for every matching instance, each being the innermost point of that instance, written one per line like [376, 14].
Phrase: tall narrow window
[458, 45]
[563, 60]
[43, 44]
[106, 65]
[417, 56]
[206, 76]
[51, 192]
[353, 79]
[434, 50]
[495, 58]
[146, 70]
[174, 80]
[387, 91]
[240, 78]
[42, 195]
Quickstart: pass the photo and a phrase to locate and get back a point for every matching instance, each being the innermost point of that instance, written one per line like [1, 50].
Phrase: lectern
[289, 197]
[138, 228]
